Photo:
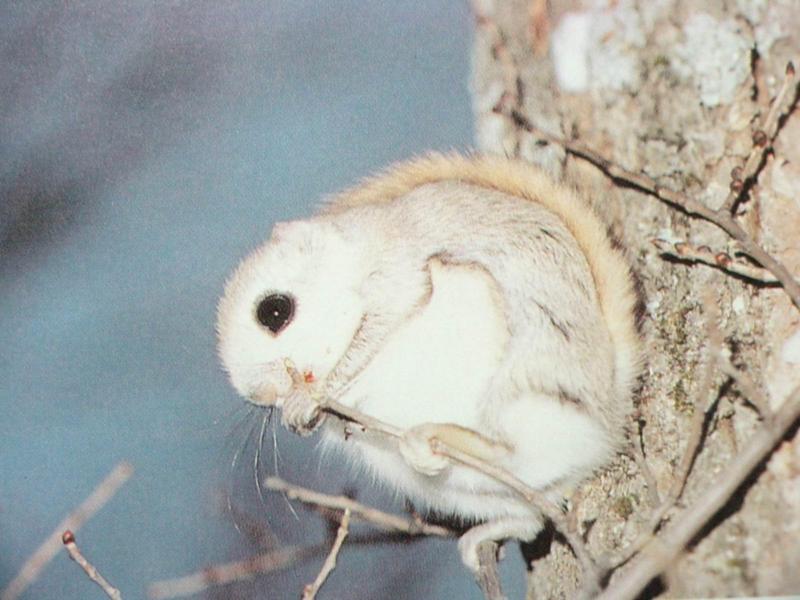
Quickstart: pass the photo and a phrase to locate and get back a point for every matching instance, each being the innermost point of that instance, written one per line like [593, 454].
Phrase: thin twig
[51, 546]
[388, 522]
[721, 260]
[748, 388]
[68, 538]
[239, 570]
[310, 591]
[690, 206]
[653, 497]
[261, 564]
[573, 518]
[706, 399]
[363, 421]
[382, 520]
[763, 138]
[759, 71]
[487, 576]
[662, 550]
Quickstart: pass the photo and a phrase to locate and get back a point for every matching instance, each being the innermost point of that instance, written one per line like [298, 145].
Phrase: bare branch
[359, 419]
[68, 538]
[749, 390]
[104, 491]
[573, 520]
[659, 553]
[721, 260]
[378, 518]
[310, 591]
[266, 562]
[763, 138]
[706, 400]
[487, 577]
[649, 479]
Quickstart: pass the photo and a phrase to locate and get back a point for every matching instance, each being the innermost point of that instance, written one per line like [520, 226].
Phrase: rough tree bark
[674, 90]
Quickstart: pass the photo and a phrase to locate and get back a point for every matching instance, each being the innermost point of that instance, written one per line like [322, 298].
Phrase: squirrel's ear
[287, 231]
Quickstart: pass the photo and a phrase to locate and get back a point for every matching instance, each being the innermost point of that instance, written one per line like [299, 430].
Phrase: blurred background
[145, 147]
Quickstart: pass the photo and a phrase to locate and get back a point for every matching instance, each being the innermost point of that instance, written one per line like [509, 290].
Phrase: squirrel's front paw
[300, 413]
[416, 449]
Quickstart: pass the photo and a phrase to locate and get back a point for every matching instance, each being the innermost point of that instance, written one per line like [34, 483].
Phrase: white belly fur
[435, 369]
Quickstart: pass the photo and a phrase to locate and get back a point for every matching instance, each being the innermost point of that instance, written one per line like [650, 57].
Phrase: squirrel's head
[295, 298]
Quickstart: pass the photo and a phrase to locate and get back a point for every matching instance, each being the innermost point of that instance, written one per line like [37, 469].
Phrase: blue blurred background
[144, 148]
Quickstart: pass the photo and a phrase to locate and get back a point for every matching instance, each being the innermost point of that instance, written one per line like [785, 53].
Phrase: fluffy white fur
[449, 293]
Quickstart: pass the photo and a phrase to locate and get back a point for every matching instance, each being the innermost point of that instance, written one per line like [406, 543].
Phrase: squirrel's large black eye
[275, 312]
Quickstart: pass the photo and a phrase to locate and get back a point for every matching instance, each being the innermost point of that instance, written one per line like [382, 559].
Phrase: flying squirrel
[471, 300]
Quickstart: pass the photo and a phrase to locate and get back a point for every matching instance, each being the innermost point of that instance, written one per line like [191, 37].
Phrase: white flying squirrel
[448, 295]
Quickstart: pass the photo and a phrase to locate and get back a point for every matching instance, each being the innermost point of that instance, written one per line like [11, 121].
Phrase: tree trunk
[673, 90]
